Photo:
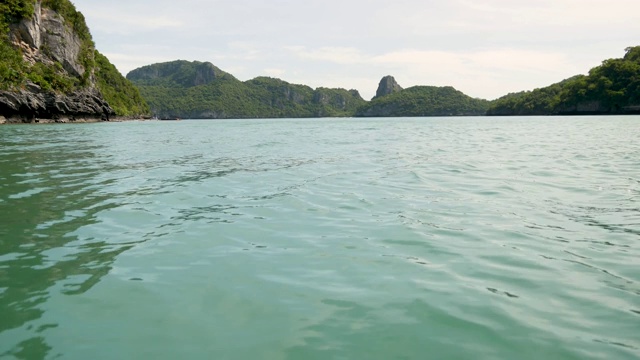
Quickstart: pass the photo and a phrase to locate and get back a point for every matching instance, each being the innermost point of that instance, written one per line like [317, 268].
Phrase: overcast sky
[485, 48]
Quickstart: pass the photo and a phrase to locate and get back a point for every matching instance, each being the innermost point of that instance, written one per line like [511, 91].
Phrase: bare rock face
[60, 43]
[27, 33]
[387, 86]
[46, 38]
[205, 74]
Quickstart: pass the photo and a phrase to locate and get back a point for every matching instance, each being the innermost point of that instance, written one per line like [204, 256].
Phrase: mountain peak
[388, 85]
[180, 72]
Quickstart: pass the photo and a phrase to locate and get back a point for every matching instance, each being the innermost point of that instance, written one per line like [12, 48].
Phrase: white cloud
[128, 62]
[541, 14]
[485, 48]
[339, 55]
[118, 23]
[275, 72]
[479, 73]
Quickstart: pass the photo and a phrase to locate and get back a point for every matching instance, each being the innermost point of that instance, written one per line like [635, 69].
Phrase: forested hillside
[199, 90]
[424, 101]
[611, 88]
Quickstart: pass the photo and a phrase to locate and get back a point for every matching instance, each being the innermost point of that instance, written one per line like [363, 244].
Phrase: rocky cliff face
[34, 105]
[47, 40]
[387, 86]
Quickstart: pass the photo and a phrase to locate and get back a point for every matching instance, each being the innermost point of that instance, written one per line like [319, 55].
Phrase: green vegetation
[51, 77]
[425, 101]
[182, 89]
[121, 95]
[13, 11]
[611, 88]
[178, 73]
[13, 71]
[12, 67]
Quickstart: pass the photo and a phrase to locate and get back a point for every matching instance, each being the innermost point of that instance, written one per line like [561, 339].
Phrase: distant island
[200, 90]
[51, 71]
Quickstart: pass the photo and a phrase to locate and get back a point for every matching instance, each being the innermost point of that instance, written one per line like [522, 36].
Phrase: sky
[484, 48]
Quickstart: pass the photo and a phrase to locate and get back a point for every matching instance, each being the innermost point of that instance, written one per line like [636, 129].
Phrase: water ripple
[455, 238]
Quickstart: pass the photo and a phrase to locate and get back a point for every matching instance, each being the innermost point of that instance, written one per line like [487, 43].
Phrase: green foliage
[12, 67]
[119, 92]
[12, 11]
[178, 73]
[425, 101]
[632, 54]
[14, 72]
[182, 89]
[51, 78]
[536, 102]
[611, 88]
[337, 102]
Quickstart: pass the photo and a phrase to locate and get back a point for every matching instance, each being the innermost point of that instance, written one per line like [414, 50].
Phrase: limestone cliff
[56, 78]
[387, 86]
[47, 39]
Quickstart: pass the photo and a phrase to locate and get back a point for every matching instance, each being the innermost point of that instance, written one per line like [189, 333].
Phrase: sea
[395, 238]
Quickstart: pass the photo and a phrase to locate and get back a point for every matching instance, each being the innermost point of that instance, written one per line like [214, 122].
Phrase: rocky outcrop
[336, 98]
[32, 104]
[290, 94]
[387, 86]
[46, 38]
[27, 35]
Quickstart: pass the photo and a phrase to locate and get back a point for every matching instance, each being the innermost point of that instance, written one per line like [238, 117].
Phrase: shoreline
[92, 120]
[67, 120]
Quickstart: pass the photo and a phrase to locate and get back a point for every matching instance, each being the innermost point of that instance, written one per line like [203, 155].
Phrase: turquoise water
[442, 238]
